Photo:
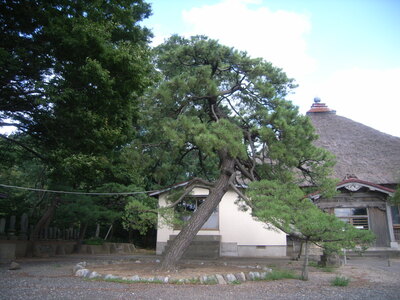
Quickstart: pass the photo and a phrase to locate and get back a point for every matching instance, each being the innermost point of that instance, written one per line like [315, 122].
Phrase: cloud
[277, 36]
[368, 96]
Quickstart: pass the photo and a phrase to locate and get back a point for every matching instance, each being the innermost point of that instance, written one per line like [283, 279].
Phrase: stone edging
[81, 270]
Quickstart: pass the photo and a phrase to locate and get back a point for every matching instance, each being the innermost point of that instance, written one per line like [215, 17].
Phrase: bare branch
[189, 188]
[240, 194]
[9, 124]
[244, 170]
[253, 152]
[234, 109]
[213, 112]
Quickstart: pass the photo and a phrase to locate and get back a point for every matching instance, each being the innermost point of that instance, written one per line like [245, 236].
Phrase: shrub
[340, 281]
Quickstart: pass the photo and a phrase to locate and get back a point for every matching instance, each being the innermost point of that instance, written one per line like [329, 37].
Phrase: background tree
[285, 206]
[20, 168]
[229, 111]
[71, 73]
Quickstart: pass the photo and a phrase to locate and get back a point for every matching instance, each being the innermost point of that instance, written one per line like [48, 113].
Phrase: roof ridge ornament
[318, 107]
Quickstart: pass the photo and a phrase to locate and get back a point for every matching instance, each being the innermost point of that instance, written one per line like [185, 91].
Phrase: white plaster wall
[235, 226]
[164, 231]
[239, 226]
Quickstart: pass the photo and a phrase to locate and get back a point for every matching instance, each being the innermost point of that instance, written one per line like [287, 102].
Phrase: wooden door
[379, 226]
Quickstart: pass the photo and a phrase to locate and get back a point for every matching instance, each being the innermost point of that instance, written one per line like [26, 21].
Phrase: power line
[74, 193]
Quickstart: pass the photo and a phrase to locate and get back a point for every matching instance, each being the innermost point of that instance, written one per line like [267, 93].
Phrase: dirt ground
[362, 271]
[52, 278]
[185, 270]
[372, 271]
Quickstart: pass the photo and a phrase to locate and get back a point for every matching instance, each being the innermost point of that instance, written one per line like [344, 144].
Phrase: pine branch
[23, 146]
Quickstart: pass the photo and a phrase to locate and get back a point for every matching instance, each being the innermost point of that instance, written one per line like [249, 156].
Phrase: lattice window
[358, 217]
[396, 222]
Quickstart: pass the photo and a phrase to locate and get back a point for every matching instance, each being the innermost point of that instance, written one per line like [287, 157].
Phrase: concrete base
[204, 246]
[160, 247]
[44, 249]
[11, 249]
[7, 252]
[260, 251]
[233, 249]
[229, 249]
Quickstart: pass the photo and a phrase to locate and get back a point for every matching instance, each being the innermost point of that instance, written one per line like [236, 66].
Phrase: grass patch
[340, 281]
[118, 280]
[280, 274]
[94, 241]
[313, 264]
[322, 268]
[328, 269]
[193, 281]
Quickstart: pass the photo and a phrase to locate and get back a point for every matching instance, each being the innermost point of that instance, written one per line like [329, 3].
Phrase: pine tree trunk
[304, 273]
[182, 241]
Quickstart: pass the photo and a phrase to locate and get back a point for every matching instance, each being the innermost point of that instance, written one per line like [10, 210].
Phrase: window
[358, 217]
[189, 205]
[395, 215]
[396, 222]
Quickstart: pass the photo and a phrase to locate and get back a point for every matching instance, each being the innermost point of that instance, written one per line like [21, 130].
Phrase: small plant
[118, 280]
[281, 274]
[235, 282]
[94, 241]
[327, 269]
[340, 281]
[177, 281]
[313, 264]
[193, 281]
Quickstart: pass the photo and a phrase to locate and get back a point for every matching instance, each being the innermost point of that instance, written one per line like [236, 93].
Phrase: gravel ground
[52, 278]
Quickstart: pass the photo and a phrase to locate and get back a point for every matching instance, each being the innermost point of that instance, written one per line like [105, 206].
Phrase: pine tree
[229, 111]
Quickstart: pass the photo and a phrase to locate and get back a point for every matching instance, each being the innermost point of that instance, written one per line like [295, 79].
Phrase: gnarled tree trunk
[200, 216]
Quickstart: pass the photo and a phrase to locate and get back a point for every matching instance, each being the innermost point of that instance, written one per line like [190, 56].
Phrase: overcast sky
[347, 52]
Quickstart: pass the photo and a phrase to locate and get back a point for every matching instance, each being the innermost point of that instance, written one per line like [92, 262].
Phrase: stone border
[81, 270]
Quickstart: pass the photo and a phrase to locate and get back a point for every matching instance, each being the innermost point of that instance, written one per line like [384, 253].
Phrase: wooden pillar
[393, 242]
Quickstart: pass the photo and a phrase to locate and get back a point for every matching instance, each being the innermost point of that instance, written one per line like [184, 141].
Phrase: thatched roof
[360, 150]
